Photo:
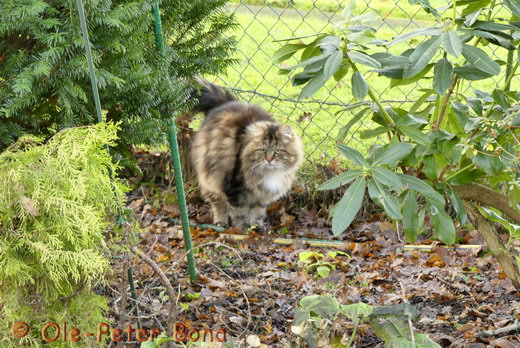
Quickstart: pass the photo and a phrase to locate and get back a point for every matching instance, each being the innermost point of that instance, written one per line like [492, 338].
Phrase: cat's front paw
[260, 228]
[221, 224]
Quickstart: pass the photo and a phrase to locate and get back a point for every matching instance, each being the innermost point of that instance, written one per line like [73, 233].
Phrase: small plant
[446, 149]
[313, 322]
[315, 262]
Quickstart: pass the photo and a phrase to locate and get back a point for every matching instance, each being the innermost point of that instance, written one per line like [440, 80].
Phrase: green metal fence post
[176, 162]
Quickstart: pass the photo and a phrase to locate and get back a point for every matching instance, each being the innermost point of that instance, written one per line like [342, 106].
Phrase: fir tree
[44, 81]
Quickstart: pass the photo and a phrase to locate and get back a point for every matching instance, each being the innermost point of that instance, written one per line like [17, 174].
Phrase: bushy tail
[210, 96]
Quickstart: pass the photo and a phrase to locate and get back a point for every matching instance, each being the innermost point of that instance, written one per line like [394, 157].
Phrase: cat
[243, 158]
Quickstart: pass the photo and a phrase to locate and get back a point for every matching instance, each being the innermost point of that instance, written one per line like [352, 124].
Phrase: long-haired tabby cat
[243, 158]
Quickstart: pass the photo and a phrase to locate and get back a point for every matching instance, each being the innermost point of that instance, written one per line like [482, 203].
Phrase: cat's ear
[286, 132]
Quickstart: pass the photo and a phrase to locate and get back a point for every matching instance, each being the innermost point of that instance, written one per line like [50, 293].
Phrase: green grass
[384, 8]
[255, 71]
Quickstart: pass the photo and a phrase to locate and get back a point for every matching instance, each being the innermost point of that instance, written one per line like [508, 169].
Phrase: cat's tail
[210, 96]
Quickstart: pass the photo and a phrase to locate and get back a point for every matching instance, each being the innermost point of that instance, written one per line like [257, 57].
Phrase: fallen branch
[502, 330]
[495, 244]
[172, 315]
[489, 197]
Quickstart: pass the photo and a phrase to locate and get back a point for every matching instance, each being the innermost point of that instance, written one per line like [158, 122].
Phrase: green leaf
[300, 316]
[415, 135]
[490, 214]
[421, 100]
[359, 86]
[345, 129]
[471, 73]
[411, 120]
[332, 64]
[428, 8]
[342, 71]
[323, 271]
[353, 155]
[347, 208]
[423, 188]
[312, 86]
[501, 99]
[403, 82]
[421, 56]
[364, 59]
[442, 223]
[462, 215]
[394, 153]
[467, 176]
[315, 59]
[493, 26]
[489, 163]
[340, 180]
[431, 167]
[324, 306]
[480, 59]
[286, 52]
[384, 198]
[499, 39]
[348, 11]
[411, 223]
[387, 178]
[431, 31]
[390, 327]
[452, 43]
[514, 6]
[442, 76]
[370, 133]
[357, 312]
[305, 256]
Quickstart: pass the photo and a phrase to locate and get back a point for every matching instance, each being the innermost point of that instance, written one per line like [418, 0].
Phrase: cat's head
[271, 146]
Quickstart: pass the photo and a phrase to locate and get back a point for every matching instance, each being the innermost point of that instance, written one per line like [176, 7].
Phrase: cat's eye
[276, 152]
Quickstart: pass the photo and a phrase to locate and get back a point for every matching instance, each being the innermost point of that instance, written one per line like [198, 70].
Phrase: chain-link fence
[255, 79]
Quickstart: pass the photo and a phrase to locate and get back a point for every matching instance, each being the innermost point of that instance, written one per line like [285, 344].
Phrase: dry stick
[495, 244]
[124, 294]
[169, 288]
[503, 330]
[410, 324]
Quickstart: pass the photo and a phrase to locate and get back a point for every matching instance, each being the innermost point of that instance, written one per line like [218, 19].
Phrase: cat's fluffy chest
[275, 182]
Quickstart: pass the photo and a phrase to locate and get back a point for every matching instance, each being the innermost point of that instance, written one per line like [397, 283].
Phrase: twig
[502, 330]
[169, 288]
[124, 293]
[410, 324]
[445, 105]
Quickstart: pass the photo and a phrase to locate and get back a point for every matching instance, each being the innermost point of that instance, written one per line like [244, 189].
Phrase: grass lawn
[384, 8]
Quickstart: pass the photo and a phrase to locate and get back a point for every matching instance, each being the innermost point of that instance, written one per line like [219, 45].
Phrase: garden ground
[252, 287]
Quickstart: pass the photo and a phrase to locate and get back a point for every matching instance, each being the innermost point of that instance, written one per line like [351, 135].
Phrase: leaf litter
[252, 287]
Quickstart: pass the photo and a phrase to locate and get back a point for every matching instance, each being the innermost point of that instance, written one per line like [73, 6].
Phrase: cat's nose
[269, 159]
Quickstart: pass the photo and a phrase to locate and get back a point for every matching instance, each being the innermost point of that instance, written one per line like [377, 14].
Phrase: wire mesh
[255, 79]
